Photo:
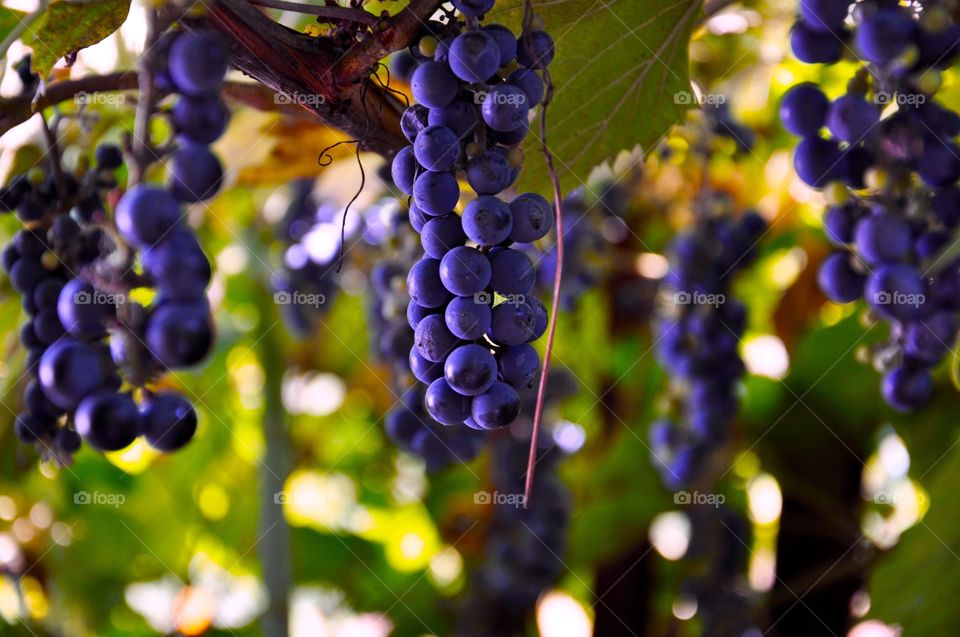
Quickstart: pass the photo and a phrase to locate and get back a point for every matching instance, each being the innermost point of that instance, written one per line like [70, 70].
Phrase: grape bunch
[719, 546]
[471, 307]
[77, 267]
[308, 281]
[407, 423]
[592, 219]
[698, 330]
[888, 165]
[524, 546]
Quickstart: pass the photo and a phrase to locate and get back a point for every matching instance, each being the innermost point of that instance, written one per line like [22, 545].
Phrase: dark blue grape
[505, 40]
[433, 85]
[535, 49]
[468, 317]
[883, 237]
[532, 218]
[473, 8]
[445, 405]
[178, 266]
[519, 365]
[69, 370]
[442, 234]
[195, 173]
[433, 340]
[416, 313]
[513, 323]
[896, 291]
[109, 157]
[436, 193]
[803, 110]
[404, 169]
[512, 272]
[146, 214]
[487, 220]
[198, 62]
[852, 117]
[83, 310]
[108, 421]
[530, 83]
[817, 161]
[422, 369]
[939, 166]
[498, 407]
[424, 284]
[474, 56]
[884, 35]
[437, 148]
[470, 369]
[179, 334]
[168, 421]
[838, 280]
[202, 120]
[814, 47]
[907, 389]
[489, 173]
[460, 116]
[465, 271]
[929, 339]
[824, 15]
[414, 119]
[506, 108]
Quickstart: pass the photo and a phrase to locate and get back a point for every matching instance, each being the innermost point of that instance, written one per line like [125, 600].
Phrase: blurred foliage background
[850, 504]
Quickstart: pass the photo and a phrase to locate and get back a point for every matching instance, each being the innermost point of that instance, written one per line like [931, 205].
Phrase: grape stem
[141, 151]
[344, 14]
[558, 274]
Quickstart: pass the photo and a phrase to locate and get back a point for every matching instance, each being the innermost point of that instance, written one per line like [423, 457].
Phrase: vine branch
[345, 14]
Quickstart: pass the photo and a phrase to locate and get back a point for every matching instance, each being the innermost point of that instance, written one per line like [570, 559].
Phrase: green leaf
[617, 70]
[8, 20]
[70, 26]
[915, 584]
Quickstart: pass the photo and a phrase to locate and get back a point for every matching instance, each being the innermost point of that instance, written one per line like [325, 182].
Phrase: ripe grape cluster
[76, 268]
[407, 423]
[698, 330]
[889, 168]
[524, 547]
[471, 307]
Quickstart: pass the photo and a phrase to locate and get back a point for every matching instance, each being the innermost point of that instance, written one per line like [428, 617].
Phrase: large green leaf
[8, 20]
[915, 584]
[621, 78]
[70, 26]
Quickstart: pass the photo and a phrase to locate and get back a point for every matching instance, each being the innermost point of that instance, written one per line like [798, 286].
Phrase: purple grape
[468, 317]
[168, 421]
[474, 56]
[465, 271]
[884, 35]
[505, 40]
[107, 421]
[146, 214]
[513, 323]
[178, 266]
[437, 148]
[460, 116]
[498, 407]
[404, 169]
[535, 49]
[487, 220]
[83, 310]
[445, 405]
[473, 8]
[422, 369]
[424, 284]
[69, 371]
[814, 47]
[505, 108]
[433, 340]
[414, 119]
[179, 334]
[489, 173]
[532, 218]
[883, 237]
[196, 173]
[530, 83]
[201, 120]
[470, 369]
[433, 85]
[436, 193]
[824, 15]
[907, 389]
[817, 161]
[939, 166]
[512, 272]
[108, 157]
[851, 118]
[442, 234]
[198, 62]
[838, 280]
[519, 365]
[896, 291]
